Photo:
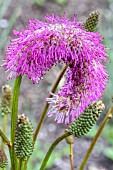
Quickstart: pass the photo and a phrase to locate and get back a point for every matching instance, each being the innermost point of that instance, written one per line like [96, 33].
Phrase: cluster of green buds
[23, 144]
[87, 119]
[6, 99]
[92, 21]
[3, 159]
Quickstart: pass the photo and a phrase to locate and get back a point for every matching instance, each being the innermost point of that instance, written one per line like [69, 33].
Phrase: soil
[32, 97]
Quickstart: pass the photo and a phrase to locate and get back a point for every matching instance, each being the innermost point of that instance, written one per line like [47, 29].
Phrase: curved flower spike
[58, 39]
[42, 44]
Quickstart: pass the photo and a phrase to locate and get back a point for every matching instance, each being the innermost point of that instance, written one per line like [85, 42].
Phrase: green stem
[52, 147]
[71, 157]
[5, 139]
[22, 164]
[14, 112]
[18, 164]
[5, 118]
[87, 155]
[25, 165]
[47, 105]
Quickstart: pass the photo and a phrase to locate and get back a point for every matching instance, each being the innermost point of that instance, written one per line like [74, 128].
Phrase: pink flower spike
[43, 44]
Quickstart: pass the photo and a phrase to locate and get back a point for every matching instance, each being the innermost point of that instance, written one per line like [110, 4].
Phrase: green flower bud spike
[23, 144]
[92, 21]
[87, 119]
[6, 100]
[3, 159]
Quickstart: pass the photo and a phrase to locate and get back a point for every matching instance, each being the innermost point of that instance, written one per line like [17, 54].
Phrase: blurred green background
[14, 14]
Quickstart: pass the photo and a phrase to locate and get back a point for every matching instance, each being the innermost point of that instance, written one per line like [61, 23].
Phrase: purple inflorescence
[58, 39]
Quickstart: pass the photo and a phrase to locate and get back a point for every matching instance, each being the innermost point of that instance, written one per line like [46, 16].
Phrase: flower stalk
[14, 112]
[52, 147]
[5, 139]
[70, 142]
[71, 157]
[4, 125]
[87, 155]
[22, 164]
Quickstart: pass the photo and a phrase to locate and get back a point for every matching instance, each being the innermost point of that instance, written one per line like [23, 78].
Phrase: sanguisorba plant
[33, 52]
